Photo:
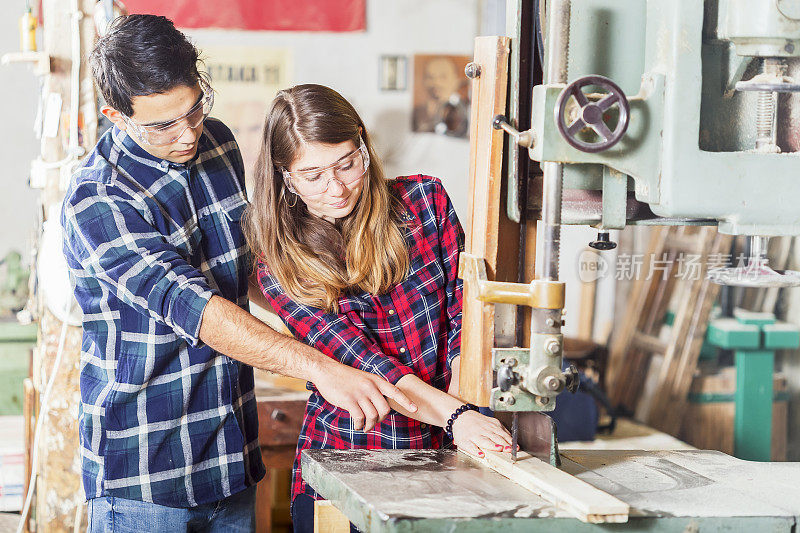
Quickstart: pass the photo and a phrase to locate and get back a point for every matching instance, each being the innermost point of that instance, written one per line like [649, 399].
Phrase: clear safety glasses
[346, 171]
[170, 131]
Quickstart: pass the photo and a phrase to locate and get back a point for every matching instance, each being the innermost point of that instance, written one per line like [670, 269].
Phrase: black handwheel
[592, 114]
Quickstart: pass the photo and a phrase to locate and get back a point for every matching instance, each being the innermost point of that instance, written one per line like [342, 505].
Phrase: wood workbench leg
[329, 519]
[264, 504]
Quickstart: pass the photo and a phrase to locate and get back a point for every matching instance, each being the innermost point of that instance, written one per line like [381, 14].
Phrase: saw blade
[514, 436]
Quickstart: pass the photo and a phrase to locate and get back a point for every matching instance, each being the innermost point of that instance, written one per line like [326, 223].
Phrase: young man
[168, 420]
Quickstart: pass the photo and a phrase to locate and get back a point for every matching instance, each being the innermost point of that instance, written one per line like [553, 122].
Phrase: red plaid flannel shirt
[413, 328]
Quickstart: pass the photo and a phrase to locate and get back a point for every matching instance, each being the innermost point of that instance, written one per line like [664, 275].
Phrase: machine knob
[506, 377]
[573, 379]
[592, 114]
[472, 70]
[552, 383]
[603, 242]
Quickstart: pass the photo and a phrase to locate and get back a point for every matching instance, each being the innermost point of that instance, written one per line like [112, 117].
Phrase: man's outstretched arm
[230, 330]
[113, 243]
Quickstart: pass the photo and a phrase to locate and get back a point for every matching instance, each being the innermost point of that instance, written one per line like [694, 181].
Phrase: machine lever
[506, 377]
[525, 139]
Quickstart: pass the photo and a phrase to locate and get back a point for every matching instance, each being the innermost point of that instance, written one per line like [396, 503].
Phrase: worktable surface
[441, 490]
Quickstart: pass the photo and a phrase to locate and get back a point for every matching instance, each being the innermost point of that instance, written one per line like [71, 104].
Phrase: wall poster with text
[245, 80]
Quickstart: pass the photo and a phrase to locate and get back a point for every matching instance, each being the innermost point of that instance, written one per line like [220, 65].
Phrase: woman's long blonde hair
[314, 260]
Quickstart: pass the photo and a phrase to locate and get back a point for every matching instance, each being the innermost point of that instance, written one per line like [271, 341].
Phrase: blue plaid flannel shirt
[163, 417]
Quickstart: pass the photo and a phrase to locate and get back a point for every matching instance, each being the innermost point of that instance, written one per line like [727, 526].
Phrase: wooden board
[585, 502]
[29, 420]
[486, 145]
[485, 206]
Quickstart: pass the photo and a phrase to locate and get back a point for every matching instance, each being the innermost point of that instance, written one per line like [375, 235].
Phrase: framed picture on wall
[393, 73]
[441, 95]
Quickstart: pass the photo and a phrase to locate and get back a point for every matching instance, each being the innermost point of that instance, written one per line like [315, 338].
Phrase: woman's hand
[473, 431]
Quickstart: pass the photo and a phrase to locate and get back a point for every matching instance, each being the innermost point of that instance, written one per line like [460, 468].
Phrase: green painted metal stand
[754, 338]
[16, 342]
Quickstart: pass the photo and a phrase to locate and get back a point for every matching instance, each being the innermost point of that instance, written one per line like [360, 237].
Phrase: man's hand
[473, 431]
[360, 393]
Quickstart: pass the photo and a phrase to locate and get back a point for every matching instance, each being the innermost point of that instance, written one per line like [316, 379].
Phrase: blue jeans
[235, 514]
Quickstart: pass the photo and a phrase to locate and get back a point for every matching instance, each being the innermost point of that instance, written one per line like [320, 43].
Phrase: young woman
[365, 270]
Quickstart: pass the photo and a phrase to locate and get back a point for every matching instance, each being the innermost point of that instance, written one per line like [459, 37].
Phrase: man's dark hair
[142, 55]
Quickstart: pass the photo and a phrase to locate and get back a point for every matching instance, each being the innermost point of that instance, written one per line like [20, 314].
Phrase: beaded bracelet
[464, 408]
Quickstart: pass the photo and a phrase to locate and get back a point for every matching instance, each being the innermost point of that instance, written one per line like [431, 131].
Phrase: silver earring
[295, 201]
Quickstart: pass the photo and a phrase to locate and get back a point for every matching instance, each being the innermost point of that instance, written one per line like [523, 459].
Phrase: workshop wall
[19, 96]
[349, 62]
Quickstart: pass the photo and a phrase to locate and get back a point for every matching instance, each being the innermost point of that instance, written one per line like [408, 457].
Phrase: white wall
[346, 61]
[349, 63]
[19, 96]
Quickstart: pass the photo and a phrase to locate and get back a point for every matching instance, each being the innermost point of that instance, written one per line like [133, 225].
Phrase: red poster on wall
[276, 15]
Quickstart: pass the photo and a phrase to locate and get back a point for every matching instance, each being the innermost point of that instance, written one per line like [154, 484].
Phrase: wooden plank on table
[329, 519]
[485, 201]
[584, 501]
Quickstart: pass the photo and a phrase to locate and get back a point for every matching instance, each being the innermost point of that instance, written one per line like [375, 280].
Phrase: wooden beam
[29, 419]
[483, 228]
[584, 501]
[650, 343]
[59, 473]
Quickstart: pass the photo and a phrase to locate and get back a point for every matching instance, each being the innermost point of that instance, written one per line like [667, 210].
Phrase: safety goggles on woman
[170, 131]
[346, 171]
